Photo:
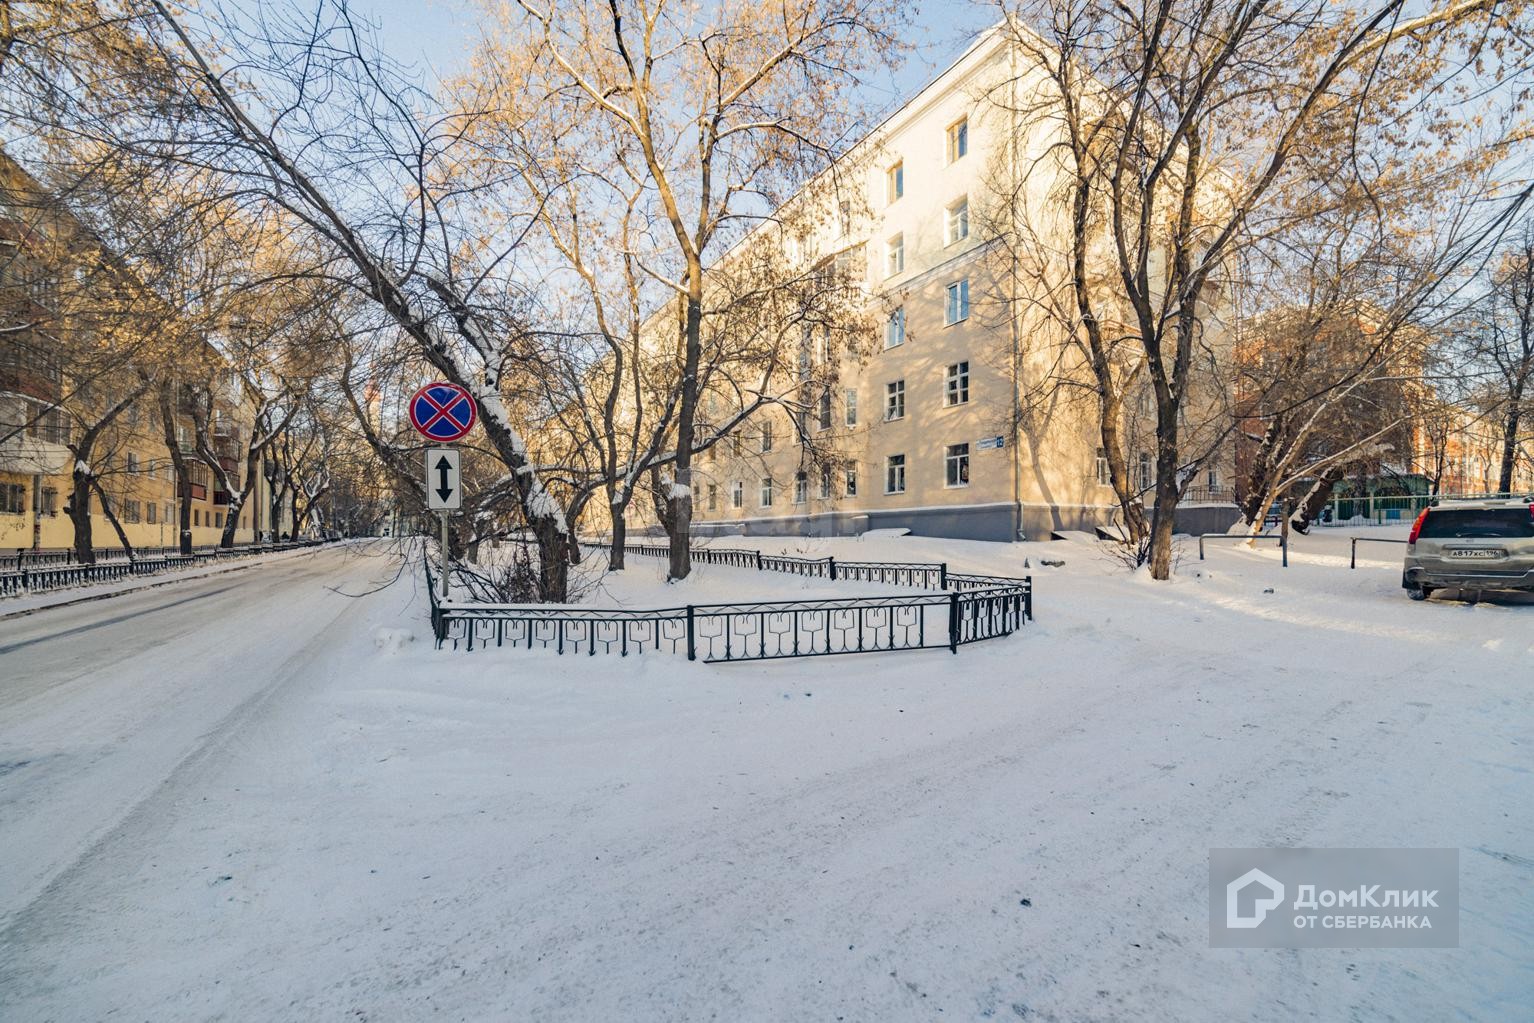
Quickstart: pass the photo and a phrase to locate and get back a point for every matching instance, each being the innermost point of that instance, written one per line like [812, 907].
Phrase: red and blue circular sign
[442, 411]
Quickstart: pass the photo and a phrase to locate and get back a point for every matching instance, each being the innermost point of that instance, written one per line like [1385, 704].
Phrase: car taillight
[1416, 527]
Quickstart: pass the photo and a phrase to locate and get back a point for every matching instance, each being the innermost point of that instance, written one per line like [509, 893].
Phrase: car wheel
[1416, 591]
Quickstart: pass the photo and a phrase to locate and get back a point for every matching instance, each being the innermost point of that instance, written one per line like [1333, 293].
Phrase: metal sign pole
[444, 554]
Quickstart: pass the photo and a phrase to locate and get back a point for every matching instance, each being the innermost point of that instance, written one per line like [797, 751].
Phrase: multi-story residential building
[45, 398]
[926, 427]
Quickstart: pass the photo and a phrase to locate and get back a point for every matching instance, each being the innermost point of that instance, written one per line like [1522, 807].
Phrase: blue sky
[435, 35]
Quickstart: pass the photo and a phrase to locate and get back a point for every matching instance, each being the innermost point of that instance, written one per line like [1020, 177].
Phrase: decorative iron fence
[967, 609]
[64, 574]
[26, 556]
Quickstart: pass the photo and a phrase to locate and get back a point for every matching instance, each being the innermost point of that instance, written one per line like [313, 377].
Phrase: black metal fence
[967, 609]
[44, 576]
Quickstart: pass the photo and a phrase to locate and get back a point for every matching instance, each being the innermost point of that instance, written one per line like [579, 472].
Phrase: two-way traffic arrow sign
[444, 488]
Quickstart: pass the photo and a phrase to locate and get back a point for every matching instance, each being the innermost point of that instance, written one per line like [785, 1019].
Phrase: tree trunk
[679, 497]
[1315, 499]
[1510, 441]
[620, 535]
[553, 565]
[231, 520]
[1164, 515]
[80, 514]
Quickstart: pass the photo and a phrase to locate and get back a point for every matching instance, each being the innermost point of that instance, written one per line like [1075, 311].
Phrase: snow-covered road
[278, 816]
[109, 709]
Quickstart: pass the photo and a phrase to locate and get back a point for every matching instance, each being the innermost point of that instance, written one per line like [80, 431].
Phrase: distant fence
[968, 609]
[63, 574]
[1390, 510]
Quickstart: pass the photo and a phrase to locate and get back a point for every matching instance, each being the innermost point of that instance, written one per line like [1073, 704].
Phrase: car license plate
[1477, 553]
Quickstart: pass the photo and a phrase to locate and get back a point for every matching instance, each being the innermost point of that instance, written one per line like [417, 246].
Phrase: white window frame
[823, 416]
[956, 302]
[894, 472]
[801, 487]
[894, 400]
[850, 483]
[766, 492]
[825, 483]
[956, 222]
[894, 255]
[894, 182]
[766, 435]
[956, 384]
[738, 494]
[850, 399]
[1101, 470]
[956, 466]
[894, 328]
[956, 146]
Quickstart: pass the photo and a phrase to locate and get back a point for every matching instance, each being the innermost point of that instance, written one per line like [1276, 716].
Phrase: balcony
[32, 456]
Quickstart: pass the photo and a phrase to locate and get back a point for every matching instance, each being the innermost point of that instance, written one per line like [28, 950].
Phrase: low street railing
[64, 574]
[1353, 556]
[965, 609]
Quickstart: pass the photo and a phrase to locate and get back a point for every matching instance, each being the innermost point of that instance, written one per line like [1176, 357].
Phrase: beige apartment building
[44, 405]
[945, 423]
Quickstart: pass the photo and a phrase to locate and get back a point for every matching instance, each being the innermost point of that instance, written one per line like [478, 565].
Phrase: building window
[825, 482]
[823, 346]
[196, 516]
[852, 406]
[801, 487]
[956, 308]
[713, 496]
[894, 329]
[1214, 479]
[767, 435]
[1145, 470]
[958, 139]
[152, 512]
[766, 491]
[736, 445]
[850, 483]
[738, 494]
[824, 410]
[843, 218]
[50, 501]
[894, 182]
[1104, 476]
[894, 474]
[956, 222]
[131, 511]
[132, 462]
[956, 465]
[13, 498]
[894, 255]
[956, 389]
[894, 400]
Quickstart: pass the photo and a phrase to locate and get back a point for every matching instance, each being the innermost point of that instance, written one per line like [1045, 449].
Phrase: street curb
[136, 589]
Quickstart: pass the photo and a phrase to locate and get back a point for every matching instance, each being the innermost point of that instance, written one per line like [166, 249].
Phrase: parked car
[1471, 545]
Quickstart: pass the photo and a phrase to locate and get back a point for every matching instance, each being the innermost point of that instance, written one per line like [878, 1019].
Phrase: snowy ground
[263, 802]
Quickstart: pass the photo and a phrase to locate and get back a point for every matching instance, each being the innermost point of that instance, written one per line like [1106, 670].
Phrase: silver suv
[1471, 545]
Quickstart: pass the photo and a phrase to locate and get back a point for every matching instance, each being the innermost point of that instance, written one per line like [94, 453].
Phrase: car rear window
[1467, 523]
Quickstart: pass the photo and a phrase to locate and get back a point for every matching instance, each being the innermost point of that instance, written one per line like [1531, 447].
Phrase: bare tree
[1196, 128]
[725, 109]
